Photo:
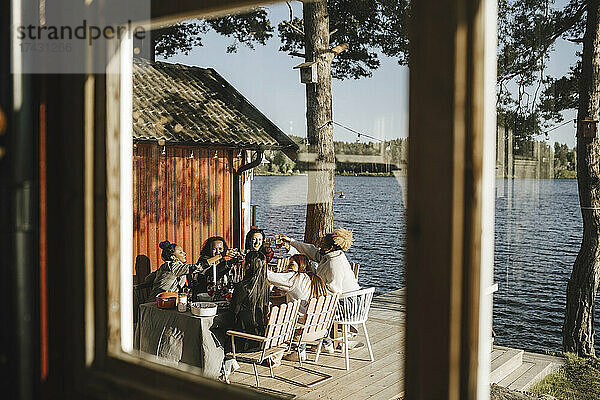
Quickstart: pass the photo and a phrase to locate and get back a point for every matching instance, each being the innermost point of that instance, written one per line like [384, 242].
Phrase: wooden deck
[384, 378]
[381, 379]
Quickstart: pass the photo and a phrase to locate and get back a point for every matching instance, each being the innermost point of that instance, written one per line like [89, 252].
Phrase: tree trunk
[578, 329]
[319, 208]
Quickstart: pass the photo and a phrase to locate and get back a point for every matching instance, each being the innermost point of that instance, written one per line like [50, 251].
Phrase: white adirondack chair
[277, 339]
[315, 328]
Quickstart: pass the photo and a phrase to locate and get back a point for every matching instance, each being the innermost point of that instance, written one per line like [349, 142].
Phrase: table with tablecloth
[200, 347]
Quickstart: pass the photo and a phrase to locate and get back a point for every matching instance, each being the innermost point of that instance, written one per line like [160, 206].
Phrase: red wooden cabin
[196, 139]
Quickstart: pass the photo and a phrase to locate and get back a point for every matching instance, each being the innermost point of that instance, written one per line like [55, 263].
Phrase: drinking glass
[211, 289]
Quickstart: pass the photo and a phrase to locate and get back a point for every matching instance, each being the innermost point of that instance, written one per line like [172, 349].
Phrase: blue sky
[376, 106]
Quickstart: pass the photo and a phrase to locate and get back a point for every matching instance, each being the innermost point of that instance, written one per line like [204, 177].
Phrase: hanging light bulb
[216, 155]
[239, 154]
[192, 154]
[164, 151]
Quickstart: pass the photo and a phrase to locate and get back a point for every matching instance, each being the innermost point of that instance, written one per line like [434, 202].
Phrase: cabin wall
[184, 196]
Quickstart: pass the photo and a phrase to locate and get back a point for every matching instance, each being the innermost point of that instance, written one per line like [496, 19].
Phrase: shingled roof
[191, 105]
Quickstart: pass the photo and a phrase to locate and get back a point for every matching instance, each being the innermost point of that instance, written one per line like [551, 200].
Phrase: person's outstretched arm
[307, 249]
[281, 280]
[179, 269]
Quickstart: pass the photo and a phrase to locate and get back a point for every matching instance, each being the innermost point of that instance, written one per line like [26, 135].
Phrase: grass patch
[578, 379]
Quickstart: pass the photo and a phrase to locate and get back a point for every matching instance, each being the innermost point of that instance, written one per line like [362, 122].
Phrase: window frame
[450, 54]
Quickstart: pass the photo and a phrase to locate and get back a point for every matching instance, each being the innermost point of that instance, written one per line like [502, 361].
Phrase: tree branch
[300, 31]
[560, 29]
[339, 48]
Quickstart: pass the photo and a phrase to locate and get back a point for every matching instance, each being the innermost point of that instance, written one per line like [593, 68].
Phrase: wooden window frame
[450, 207]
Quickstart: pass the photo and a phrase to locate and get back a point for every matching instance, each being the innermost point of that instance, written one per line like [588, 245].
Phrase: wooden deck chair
[277, 339]
[282, 264]
[319, 317]
[140, 296]
[355, 268]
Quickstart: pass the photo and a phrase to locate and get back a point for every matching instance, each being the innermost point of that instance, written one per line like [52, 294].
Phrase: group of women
[250, 303]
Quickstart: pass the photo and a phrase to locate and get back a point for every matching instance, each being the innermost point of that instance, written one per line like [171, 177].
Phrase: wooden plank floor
[381, 379]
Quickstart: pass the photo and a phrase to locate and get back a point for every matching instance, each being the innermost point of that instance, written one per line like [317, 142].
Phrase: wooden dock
[383, 379]
[380, 379]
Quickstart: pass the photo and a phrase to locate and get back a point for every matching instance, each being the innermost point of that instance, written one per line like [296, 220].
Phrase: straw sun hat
[343, 238]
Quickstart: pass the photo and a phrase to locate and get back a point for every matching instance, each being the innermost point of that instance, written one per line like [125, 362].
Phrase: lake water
[538, 233]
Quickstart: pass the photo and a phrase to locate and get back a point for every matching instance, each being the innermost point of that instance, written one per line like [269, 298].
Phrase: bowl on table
[203, 309]
[204, 297]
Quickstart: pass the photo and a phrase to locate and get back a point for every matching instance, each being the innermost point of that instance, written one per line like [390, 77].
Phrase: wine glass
[278, 241]
[211, 289]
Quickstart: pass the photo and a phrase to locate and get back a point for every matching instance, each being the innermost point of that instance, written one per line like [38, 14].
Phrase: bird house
[308, 72]
[589, 128]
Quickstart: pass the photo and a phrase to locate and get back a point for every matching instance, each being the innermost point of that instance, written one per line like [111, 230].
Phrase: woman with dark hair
[255, 241]
[299, 283]
[214, 246]
[168, 276]
[334, 268]
[212, 254]
[250, 300]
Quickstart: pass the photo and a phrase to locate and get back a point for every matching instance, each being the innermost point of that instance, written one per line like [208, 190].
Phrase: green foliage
[561, 94]
[179, 38]
[578, 379]
[248, 29]
[396, 152]
[368, 26]
[284, 164]
[564, 161]
[565, 174]
[528, 100]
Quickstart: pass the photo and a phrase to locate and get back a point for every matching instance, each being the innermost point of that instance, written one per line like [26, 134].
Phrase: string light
[357, 132]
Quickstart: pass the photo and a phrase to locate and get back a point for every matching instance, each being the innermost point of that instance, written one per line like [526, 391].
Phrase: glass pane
[222, 148]
[538, 216]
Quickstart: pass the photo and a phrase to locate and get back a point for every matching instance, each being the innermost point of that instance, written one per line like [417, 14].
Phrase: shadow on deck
[381, 379]
[384, 378]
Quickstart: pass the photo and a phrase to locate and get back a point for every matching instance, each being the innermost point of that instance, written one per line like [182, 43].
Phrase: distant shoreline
[373, 174]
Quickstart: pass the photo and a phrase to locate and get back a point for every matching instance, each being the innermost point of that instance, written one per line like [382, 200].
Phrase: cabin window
[166, 181]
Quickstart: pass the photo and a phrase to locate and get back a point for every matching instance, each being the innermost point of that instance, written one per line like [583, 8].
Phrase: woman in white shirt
[300, 283]
[334, 268]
